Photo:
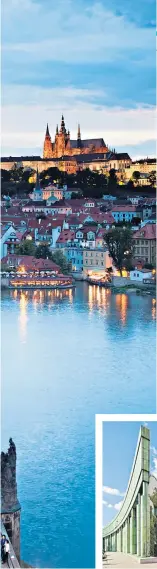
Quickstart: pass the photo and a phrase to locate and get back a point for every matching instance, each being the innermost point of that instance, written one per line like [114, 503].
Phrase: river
[67, 355]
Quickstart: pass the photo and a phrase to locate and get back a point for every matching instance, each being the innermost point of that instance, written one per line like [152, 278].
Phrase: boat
[41, 283]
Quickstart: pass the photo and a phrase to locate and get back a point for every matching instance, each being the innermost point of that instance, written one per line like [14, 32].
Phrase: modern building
[129, 532]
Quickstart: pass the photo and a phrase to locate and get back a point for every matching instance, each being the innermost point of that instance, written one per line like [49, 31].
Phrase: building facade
[145, 243]
[129, 532]
[96, 261]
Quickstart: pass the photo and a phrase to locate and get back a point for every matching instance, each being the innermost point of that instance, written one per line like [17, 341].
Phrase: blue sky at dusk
[92, 60]
[119, 445]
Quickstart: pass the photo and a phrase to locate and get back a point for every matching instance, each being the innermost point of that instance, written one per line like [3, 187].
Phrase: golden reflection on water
[154, 308]
[23, 314]
[122, 305]
[99, 297]
[38, 297]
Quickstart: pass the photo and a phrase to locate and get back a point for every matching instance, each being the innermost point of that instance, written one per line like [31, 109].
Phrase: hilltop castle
[64, 146]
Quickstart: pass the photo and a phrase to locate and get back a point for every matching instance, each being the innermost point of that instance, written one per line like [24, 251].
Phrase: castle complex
[64, 146]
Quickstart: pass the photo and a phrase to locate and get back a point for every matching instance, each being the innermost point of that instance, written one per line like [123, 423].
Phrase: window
[102, 262]
[102, 254]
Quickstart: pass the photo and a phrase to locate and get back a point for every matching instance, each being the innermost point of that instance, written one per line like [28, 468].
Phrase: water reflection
[72, 367]
[98, 297]
[23, 315]
[154, 308]
[122, 306]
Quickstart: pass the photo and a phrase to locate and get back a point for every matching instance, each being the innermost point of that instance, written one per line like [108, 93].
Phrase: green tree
[60, 260]
[112, 180]
[43, 252]
[26, 247]
[120, 243]
[136, 175]
[152, 178]
[130, 185]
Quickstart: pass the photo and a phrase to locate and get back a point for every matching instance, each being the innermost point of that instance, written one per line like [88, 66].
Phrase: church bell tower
[47, 152]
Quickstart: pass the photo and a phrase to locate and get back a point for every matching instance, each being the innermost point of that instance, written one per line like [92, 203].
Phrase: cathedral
[64, 146]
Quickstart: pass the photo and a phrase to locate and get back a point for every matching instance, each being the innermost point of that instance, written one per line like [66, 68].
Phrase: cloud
[154, 461]
[112, 491]
[154, 450]
[65, 57]
[118, 505]
[26, 111]
[72, 32]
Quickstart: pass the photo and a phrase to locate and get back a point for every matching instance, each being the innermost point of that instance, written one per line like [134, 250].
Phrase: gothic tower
[10, 506]
[79, 143]
[61, 139]
[47, 153]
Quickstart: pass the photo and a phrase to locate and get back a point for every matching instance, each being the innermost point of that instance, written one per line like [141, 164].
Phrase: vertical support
[138, 518]
[145, 522]
[128, 535]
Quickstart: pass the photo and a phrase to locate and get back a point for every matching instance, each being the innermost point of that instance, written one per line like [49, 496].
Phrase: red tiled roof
[66, 235]
[124, 208]
[31, 263]
[146, 232]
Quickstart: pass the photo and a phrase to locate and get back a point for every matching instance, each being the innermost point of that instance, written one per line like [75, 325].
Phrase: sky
[119, 446]
[93, 61]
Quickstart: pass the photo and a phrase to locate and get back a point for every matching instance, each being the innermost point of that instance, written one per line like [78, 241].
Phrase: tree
[112, 180]
[120, 243]
[43, 252]
[148, 266]
[130, 185]
[60, 260]
[136, 175]
[152, 178]
[26, 247]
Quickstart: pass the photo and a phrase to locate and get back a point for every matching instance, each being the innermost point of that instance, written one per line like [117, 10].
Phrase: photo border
[99, 420]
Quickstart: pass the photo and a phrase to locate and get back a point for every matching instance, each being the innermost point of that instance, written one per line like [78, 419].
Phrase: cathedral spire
[63, 129]
[37, 185]
[79, 144]
[47, 131]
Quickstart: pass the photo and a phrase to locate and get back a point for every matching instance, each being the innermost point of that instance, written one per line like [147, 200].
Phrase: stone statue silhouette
[8, 478]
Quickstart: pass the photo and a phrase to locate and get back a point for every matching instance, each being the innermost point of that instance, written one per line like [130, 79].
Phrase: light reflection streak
[122, 305]
[23, 316]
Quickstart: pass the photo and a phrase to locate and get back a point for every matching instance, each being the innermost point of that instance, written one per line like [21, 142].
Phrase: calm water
[65, 357]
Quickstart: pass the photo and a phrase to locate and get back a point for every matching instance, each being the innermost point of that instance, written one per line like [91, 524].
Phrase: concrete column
[125, 538]
[133, 531]
[138, 522]
[128, 535]
[145, 522]
[118, 540]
